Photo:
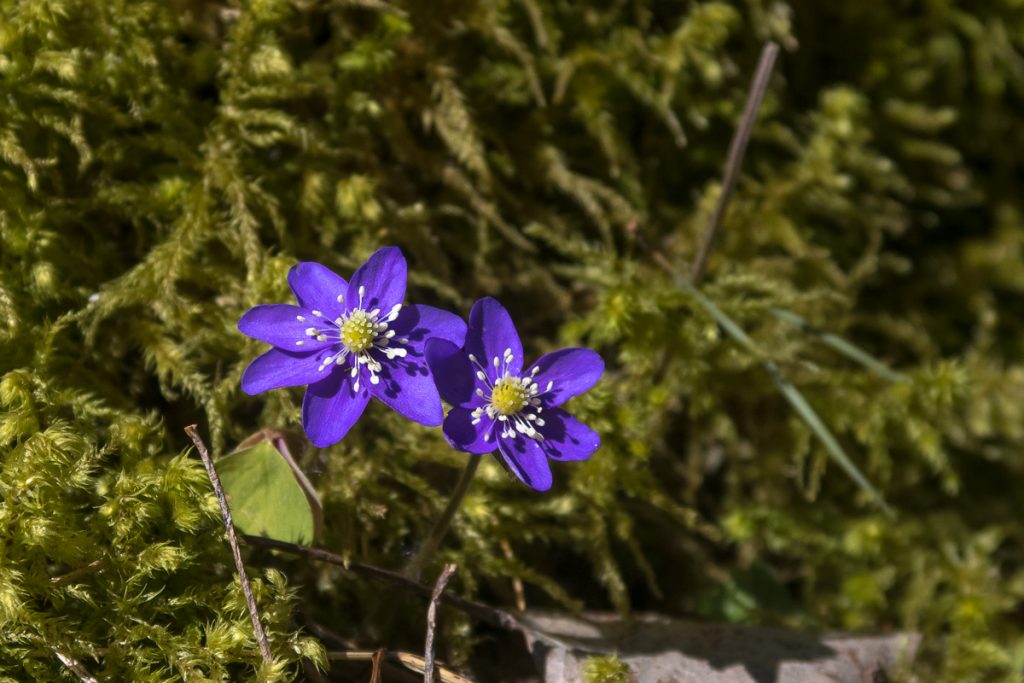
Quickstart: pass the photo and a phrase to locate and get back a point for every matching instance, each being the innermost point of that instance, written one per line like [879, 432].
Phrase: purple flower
[349, 341]
[498, 405]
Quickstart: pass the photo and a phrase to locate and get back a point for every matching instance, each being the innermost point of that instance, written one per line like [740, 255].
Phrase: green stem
[440, 528]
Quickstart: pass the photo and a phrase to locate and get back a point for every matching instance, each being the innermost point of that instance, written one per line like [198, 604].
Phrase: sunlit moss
[162, 165]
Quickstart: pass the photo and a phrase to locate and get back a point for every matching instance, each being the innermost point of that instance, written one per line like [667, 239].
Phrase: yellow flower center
[509, 396]
[358, 331]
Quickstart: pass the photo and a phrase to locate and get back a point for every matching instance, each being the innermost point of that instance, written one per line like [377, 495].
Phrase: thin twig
[737, 148]
[377, 662]
[75, 667]
[91, 568]
[435, 599]
[440, 528]
[250, 601]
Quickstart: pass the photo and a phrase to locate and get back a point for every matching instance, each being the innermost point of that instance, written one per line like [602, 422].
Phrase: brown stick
[737, 148]
[435, 599]
[250, 601]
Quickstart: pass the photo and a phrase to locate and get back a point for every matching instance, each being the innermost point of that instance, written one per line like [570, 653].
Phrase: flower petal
[279, 324]
[490, 333]
[317, 287]
[454, 375]
[277, 368]
[408, 388]
[463, 435]
[331, 407]
[525, 458]
[570, 372]
[418, 323]
[566, 438]
[383, 277]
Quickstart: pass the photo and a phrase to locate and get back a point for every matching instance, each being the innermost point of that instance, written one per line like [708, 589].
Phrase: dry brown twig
[250, 601]
[435, 599]
[737, 149]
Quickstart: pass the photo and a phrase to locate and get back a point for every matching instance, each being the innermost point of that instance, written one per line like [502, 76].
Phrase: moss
[163, 164]
[606, 670]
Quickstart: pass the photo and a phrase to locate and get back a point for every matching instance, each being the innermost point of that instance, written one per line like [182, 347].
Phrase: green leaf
[790, 393]
[264, 496]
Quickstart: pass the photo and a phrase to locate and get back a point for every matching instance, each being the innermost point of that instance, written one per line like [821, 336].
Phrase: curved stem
[440, 528]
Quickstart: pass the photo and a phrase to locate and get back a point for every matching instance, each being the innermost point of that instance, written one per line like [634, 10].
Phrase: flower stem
[440, 528]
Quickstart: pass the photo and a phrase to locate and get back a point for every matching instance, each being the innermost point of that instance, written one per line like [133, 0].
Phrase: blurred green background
[163, 164]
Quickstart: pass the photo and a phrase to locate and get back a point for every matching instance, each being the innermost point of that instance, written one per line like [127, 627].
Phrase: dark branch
[477, 610]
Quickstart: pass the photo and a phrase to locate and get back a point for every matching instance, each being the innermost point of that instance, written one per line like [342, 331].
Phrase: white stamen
[321, 337]
[341, 298]
[481, 376]
[301, 318]
[311, 331]
[318, 314]
[299, 343]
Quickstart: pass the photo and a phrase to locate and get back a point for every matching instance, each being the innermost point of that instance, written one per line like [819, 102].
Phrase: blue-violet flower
[349, 341]
[497, 405]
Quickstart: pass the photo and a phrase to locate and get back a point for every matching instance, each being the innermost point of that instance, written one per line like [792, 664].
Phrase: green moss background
[163, 164]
